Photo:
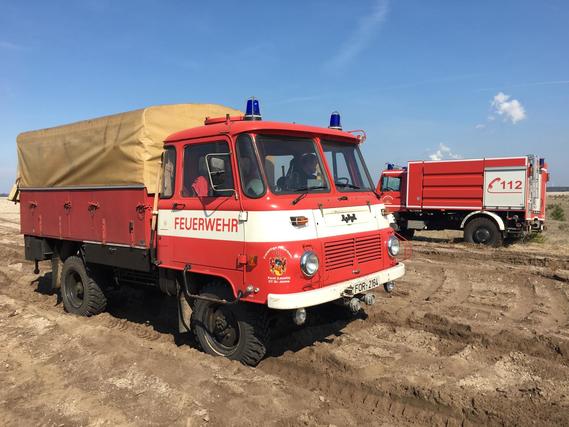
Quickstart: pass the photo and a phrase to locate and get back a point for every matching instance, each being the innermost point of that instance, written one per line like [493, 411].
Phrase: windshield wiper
[355, 187]
[305, 192]
[339, 184]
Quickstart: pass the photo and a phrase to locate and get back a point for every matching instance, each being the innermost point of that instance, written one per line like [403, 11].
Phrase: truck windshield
[347, 166]
[292, 165]
[390, 183]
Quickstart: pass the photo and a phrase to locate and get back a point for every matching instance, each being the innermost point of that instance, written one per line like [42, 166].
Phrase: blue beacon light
[253, 111]
[335, 121]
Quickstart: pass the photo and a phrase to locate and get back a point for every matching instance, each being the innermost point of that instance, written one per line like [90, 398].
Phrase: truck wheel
[238, 331]
[483, 231]
[80, 292]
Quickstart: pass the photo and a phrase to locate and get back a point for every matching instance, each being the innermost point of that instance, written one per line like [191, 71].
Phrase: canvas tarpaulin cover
[122, 149]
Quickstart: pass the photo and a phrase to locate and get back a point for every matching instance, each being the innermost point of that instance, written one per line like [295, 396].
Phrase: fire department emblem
[277, 265]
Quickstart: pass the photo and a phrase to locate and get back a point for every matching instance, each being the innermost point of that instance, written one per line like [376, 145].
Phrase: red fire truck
[251, 217]
[490, 199]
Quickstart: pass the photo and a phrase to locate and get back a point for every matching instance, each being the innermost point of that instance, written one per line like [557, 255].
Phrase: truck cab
[284, 214]
[393, 183]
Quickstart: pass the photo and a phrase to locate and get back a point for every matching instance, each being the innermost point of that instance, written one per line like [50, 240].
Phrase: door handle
[176, 206]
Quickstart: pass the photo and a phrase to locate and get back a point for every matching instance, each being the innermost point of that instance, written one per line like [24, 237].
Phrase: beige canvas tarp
[122, 149]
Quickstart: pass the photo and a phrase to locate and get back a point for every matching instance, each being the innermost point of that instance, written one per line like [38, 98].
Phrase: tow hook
[389, 287]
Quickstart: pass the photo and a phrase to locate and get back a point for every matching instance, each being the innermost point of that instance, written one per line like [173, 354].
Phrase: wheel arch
[197, 279]
[67, 248]
[484, 214]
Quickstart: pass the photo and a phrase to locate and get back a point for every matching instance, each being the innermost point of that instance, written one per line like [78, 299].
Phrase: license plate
[363, 286]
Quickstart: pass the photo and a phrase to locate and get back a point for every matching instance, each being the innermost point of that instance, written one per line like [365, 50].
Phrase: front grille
[347, 252]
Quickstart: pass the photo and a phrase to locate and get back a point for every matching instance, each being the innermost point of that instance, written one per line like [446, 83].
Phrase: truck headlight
[393, 246]
[309, 263]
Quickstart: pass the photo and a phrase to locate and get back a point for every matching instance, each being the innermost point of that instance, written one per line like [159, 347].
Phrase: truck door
[390, 189]
[202, 223]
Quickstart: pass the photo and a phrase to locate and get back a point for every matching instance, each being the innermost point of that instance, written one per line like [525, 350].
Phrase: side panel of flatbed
[109, 215]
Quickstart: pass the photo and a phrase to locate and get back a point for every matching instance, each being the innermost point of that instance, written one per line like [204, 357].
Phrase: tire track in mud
[498, 340]
[410, 404]
[418, 293]
[145, 332]
[492, 255]
[556, 306]
[551, 348]
[525, 301]
[455, 290]
[345, 382]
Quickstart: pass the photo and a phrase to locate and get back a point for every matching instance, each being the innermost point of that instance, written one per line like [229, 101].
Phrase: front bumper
[331, 292]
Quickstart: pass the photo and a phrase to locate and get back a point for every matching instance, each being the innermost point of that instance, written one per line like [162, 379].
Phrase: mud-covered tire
[80, 292]
[483, 231]
[236, 331]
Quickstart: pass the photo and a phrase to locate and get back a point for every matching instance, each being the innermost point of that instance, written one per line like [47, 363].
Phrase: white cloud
[444, 153]
[480, 126]
[511, 110]
[361, 37]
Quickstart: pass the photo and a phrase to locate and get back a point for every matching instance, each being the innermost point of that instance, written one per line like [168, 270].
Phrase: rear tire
[483, 231]
[239, 331]
[80, 292]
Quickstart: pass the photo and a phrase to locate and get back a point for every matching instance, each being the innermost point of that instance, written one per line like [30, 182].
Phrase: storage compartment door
[505, 188]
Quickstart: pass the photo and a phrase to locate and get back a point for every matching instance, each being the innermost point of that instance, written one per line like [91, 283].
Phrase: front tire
[238, 331]
[80, 292]
[483, 231]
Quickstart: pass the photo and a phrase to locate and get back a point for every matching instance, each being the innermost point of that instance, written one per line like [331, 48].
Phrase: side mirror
[216, 168]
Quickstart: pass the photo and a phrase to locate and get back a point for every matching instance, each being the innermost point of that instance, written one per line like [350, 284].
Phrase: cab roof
[236, 125]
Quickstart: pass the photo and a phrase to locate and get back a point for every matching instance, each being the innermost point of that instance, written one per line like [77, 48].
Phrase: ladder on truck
[535, 184]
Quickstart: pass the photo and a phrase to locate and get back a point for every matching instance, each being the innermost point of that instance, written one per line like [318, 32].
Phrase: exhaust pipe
[368, 299]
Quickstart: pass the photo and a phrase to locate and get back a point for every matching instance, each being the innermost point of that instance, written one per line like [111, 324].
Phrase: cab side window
[207, 170]
[168, 173]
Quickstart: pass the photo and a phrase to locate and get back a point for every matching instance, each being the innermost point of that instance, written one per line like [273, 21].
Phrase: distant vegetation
[556, 212]
[557, 189]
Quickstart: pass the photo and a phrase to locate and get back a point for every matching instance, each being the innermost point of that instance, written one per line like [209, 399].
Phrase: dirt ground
[470, 336]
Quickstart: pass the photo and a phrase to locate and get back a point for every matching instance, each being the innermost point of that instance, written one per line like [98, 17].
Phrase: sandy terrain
[470, 336]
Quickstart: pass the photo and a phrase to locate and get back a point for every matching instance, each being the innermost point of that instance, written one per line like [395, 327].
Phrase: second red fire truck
[490, 199]
[244, 216]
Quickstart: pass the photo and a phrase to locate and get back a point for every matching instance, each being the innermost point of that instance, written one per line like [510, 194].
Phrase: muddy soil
[470, 336]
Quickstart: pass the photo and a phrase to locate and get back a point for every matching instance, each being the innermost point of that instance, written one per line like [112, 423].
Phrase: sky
[425, 79]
